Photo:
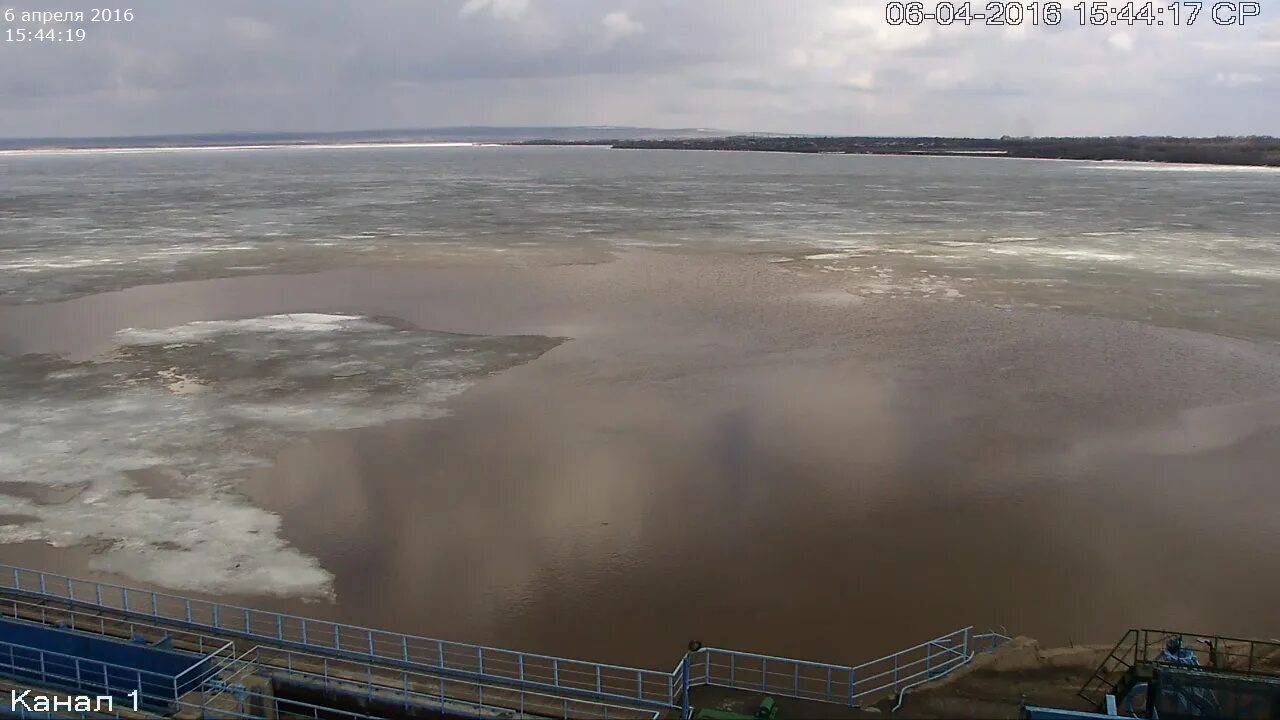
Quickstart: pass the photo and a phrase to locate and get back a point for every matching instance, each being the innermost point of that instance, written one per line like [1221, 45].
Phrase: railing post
[155, 605]
[371, 653]
[684, 688]
[733, 670]
[304, 630]
[279, 627]
[404, 645]
[520, 662]
[555, 672]
[440, 649]
[639, 685]
[853, 682]
[598, 685]
[928, 660]
[480, 660]
[764, 674]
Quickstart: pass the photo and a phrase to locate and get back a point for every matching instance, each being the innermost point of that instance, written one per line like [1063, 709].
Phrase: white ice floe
[291, 323]
[1064, 253]
[201, 405]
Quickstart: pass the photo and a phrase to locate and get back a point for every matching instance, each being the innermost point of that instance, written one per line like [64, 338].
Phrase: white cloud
[1235, 79]
[1121, 41]
[865, 80]
[619, 25]
[500, 9]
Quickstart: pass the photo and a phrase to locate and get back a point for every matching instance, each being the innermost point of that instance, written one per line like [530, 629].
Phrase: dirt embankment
[997, 684]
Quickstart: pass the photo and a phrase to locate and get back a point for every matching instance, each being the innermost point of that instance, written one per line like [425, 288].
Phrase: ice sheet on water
[293, 323]
[204, 403]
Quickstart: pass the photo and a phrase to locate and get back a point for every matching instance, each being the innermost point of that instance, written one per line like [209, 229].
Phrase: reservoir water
[599, 403]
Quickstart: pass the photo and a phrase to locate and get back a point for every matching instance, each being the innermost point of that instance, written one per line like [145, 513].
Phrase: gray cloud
[830, 66]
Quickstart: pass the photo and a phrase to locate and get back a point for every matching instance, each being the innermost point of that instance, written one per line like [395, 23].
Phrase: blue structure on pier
[140, 673]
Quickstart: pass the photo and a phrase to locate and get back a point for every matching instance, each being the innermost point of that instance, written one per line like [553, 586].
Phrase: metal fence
[606, 690]
[69, 678]
[129, 686]
[844, 684]
[1211, 652]
[217, 682]
[561, 675]
[88, 620]
[409, 689]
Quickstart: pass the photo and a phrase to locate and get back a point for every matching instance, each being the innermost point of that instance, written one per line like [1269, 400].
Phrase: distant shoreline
[1237, 152]
[470, 135]
[1249, 153]
[1154, 164]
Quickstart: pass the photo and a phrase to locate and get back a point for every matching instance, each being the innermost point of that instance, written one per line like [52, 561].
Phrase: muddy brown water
[752, 457]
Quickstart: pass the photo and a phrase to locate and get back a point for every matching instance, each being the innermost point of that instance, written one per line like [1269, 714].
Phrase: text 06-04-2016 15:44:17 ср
[1089, 14]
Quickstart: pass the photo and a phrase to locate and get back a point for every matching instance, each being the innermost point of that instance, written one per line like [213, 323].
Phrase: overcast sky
[813, 66]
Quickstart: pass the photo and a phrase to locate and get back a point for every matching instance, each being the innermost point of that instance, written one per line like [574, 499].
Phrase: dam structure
[80, 648]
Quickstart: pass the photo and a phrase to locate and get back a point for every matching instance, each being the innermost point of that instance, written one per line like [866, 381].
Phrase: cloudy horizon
[837, 67]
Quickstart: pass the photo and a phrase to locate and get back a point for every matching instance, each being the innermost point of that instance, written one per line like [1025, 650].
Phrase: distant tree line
[1212, 151]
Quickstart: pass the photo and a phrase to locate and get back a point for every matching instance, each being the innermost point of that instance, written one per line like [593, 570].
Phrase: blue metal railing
[600, 680]
[127, 685]
[394, 686]
[611, 685]
[417, 690]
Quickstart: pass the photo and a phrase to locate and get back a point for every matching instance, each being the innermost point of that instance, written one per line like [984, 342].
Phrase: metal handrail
[620, 685]
[1143, 645]
[92, 621]
[342, 672]
[101, 668]
[651, 687]
[902, 694]
[844, 684]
